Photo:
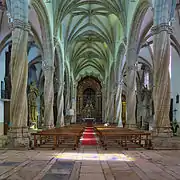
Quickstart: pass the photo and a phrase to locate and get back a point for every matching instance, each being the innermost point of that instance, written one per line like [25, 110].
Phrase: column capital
[20, 24]
[161, 27]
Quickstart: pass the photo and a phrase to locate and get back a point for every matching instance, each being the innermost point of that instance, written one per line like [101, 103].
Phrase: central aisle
[89, 137]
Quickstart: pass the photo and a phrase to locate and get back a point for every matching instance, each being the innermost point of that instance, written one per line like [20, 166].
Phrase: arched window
[146, 79]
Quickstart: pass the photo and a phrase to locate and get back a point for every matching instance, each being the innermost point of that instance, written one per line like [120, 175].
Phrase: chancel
[85, 81]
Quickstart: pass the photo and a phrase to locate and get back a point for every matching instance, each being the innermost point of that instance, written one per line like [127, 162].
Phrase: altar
[89, 121]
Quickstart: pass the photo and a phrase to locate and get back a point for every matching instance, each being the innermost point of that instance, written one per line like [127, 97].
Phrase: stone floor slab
[55, 177]
[91, 169]
[126, 175]
[92, 176]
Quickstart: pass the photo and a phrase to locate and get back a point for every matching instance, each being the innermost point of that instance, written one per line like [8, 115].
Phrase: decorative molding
[161, 27]
[20, 24]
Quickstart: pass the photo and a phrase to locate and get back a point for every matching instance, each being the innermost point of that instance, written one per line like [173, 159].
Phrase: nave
[64, 63]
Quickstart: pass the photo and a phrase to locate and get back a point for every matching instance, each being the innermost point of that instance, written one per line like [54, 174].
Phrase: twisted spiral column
[74, 98]
[118, 105]
[60, 106]
[161, 45]
[19, 73]
[18, 133]
[48, 96]
[131, 95]
[161, 91]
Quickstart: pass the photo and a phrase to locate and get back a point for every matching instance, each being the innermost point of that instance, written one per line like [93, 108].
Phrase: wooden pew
[123, 137]
[58, 136]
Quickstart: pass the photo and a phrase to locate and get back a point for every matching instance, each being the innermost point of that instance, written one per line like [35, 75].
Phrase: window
[146, 79]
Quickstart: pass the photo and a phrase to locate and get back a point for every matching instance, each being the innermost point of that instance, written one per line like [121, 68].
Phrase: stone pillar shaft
[74, 96]
[60, 106]
[161, 91]
[48, 96]
[67, 105]
[103, 103]
[18, 134]
[19, 73]
[161, 80]
[131, 86]
[110, 107]
[118, 105]
[107, 107]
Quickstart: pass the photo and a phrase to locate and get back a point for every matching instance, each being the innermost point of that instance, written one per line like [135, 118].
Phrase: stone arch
[44, 20]
[140, 11]
[4, 43]
[60, 62]
[119, 63]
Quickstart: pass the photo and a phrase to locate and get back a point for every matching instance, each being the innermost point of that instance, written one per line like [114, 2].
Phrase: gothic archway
[89, 99]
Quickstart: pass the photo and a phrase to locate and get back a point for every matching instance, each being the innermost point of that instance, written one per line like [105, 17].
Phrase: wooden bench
[58, 136]
[124, 137]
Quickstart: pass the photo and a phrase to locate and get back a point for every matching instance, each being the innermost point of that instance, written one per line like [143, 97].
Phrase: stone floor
[89, 163]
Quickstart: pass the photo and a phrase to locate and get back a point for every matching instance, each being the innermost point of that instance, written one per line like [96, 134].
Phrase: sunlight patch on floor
[95, 157]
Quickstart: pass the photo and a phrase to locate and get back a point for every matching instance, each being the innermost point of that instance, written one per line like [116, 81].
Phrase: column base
[18, 137]
[162, 138]
[161, 131]
[131, 126]
[73, 120]
[120, 124]
[59, 125]
[47, 127]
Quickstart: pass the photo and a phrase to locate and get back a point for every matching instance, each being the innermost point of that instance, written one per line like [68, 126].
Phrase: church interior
[89, 89]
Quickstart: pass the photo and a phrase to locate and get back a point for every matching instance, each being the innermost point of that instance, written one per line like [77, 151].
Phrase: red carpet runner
[89, 137]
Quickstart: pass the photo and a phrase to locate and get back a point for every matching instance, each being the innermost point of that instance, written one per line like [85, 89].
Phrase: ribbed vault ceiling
[91, 32]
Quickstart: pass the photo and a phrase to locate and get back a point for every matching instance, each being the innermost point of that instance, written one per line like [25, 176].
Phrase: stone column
[18, 133]
[74, 102]
[161, 80]
[103, 102]
[48, 96]
[107, 107]
[131, 86]
[118, 106]
[67, 99]
[60, 105]
[80, 101]
[110, 107]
